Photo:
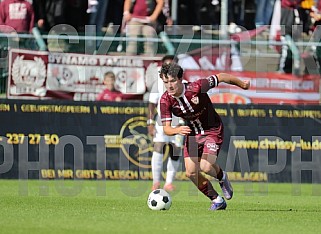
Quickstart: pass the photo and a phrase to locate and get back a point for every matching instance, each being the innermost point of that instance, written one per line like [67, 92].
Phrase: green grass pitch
[30, 206]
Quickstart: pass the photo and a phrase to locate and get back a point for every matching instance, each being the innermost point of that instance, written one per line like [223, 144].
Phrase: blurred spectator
[109, 93]
[264, 10]
[241, 13]
[290, 19]
[98, 14]
[206, 13]
[50, 13]
[304, 12]
[92, 6]
[115, 13]
[234, 16]
[184, 12]
[200, 10]
[164, 17]
[18, 14]
[214, 14]
[141, 18]
[78, 18]
[316, 15]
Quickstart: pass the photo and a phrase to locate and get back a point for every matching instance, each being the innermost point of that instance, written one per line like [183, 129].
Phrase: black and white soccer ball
[159, 199]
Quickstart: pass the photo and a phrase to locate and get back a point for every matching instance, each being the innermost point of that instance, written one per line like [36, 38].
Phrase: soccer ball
[159, 199]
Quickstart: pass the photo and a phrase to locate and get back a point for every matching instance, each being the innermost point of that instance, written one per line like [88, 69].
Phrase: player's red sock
[208, 190]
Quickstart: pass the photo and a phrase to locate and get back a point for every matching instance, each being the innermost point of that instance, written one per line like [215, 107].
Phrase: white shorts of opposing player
[160, 136]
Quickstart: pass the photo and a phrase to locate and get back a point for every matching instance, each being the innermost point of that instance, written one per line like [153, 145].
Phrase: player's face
[173, 85]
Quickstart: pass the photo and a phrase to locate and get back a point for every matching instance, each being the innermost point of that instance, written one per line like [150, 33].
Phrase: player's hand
[169, 22]
[152, 18]
[127, 17]
[151, 130]
[41, 23]
[184, 130]
[246, 84]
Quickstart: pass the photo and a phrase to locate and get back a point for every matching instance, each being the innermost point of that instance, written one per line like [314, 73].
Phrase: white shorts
[160, 136]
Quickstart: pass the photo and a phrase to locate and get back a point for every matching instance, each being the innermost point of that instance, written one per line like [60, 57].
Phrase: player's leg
[149, 31]
[195, 146]
[172, 166]
[157, 164]
[173, 160]
[210, 167]
[193, 172]
[218, 203]
[133, 31]
[212, 145]
[160, 140]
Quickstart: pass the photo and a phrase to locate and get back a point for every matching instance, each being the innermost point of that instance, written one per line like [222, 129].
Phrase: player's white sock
[172, 167]
[219, 199]
[157, 166]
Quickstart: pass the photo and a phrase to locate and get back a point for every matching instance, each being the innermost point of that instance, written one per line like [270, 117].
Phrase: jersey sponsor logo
[212, 146]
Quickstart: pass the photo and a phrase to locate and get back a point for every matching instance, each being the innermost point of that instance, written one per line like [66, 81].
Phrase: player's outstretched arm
[170, 130]
[230, 79]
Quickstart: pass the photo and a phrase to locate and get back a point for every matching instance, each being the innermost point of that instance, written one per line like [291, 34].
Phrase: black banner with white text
[59, 139]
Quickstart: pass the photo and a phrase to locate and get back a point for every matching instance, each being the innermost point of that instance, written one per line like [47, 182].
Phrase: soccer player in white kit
[160, 139]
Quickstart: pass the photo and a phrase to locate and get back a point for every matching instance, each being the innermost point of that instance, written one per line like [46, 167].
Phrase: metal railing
[174, 42]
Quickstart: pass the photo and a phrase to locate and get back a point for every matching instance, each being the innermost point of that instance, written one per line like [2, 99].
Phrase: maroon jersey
[108, 95]
[194, 106]
[17, 14]
[291, 3]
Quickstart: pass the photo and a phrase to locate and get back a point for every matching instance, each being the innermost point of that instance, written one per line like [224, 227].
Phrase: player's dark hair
[169, 57]
[172, 69]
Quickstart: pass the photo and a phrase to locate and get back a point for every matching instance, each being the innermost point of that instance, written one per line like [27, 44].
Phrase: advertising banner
[78, 77]
[55, 139]
[266, 88]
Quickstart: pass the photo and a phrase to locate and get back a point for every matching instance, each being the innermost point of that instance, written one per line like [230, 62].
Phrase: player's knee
[205, 167]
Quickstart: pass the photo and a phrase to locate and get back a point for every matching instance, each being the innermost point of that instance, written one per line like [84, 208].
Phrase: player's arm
[158, 9]
[151, 112]
[151, 118]
[126, 12]
[152, 109]
[233, 80]
[166, 118]
[170, 130]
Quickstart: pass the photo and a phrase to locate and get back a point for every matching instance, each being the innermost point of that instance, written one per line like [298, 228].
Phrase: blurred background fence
[255, 50]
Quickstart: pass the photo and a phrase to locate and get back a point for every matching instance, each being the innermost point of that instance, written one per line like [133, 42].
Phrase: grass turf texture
[120, 207]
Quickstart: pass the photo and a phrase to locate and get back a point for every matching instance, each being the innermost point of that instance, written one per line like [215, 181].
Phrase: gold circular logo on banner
[136, 145]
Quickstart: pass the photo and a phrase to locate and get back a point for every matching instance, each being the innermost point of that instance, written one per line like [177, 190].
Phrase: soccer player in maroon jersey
[204, 128]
